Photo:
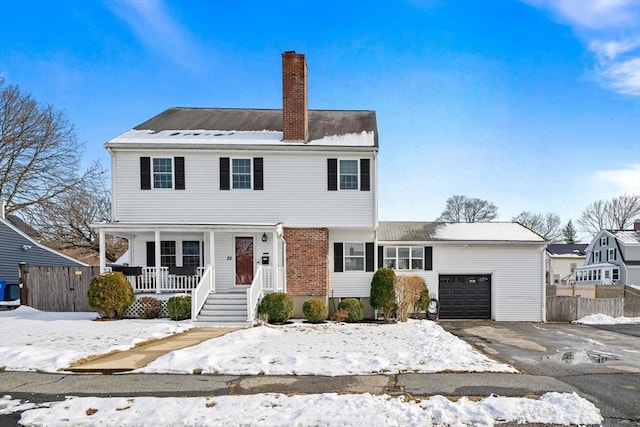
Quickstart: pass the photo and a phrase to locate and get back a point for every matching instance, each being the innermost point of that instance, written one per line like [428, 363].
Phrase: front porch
[226, 269]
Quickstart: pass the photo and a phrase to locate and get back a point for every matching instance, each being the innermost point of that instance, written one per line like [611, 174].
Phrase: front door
[244, 260]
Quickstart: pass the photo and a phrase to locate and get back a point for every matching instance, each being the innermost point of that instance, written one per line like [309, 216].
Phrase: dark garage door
[465, 296]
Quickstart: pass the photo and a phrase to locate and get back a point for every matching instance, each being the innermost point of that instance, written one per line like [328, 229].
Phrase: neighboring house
[561, 262]
[17, 247]
[477, 270]
[228, 204]
[246, 200]
[612, 257]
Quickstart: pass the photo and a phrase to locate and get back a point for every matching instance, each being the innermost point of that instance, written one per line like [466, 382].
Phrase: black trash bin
[12, 292]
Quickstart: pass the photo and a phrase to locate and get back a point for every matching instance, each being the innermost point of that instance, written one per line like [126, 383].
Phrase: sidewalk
[141, 355]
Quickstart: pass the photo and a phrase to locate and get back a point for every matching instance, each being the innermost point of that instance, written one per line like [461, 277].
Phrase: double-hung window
[348, 174]
[611, 254]
[404, 257]
[191, 253]
[615, 274]
[241, 173]
[162, 173]
[354, 257]
[168, 253]
[596, 257]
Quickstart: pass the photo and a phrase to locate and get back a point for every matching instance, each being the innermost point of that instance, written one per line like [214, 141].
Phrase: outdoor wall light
[264, 237]
[26, 247]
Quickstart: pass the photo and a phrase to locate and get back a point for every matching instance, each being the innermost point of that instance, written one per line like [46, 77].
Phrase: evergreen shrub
[354, 307]
[315, 311]
[383, 296]
[179, 307]
[277, 306]
[110, 294]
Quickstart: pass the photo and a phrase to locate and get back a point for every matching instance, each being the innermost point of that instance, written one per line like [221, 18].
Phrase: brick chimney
[636, 225]
[295, 114]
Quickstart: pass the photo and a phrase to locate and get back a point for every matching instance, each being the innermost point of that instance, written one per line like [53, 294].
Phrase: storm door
[244, 260]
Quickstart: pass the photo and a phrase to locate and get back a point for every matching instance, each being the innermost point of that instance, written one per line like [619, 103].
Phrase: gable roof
[565, 249]
[629, 237]
[408, 231]
[229, 125]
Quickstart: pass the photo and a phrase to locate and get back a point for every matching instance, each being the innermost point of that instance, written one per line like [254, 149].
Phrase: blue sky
[533, 105]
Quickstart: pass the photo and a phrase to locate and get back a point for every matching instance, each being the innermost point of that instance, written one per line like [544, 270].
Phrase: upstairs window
[604, 241]
[611, 254]
[596, 257]
[241, 173]
[348, 174]
[162, 173]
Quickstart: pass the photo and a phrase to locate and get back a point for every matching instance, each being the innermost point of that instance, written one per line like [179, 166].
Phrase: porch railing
[202, 290]
[146, 280]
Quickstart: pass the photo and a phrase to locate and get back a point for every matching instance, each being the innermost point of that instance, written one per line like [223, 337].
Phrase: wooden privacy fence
[566, 308]
[49, 288]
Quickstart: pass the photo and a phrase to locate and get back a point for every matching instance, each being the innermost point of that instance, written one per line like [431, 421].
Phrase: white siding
[517, 285]
[346, 284]
[295, 192]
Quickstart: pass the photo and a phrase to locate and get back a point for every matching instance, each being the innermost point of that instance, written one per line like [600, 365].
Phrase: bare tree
[546, 225]
[615, 214]
[39, 153]
[467, 209]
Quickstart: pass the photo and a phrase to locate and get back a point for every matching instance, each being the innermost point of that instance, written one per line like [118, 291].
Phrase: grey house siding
[12, 254]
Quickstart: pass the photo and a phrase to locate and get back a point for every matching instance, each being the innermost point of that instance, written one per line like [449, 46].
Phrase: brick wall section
[295, 115]
[307, 261]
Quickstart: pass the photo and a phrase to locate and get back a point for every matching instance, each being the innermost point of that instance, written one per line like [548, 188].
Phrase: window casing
[404, 257]
[241, 174]
[191, 253]
[168, 253]
[354, 257]
[556, 279]
[348, 173]
[573, 266]
[615, 274]
[163, 172]
[611, 254]
[596, 256]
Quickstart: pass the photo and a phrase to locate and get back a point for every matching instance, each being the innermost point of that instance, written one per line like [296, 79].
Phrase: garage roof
[407, 231]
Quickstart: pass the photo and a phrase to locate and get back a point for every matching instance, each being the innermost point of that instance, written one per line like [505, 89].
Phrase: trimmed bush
[383, 296]
[408, 290]
[179, 307]
[315, 311]
[354, 308]
[150, 307]
[110, 294]
[278, 307]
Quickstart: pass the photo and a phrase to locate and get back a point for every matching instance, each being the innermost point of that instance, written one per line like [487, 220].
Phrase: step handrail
[201, 292]
[254, 295]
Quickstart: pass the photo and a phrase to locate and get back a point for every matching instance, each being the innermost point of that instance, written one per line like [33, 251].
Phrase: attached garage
[476, 270]
[464, 296]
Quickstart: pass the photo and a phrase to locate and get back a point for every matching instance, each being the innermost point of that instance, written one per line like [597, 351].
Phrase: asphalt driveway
[603, 363]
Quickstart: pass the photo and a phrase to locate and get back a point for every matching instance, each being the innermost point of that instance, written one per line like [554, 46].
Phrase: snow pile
[603, 319]
[328, 409]
[33, 340]
[330, 349]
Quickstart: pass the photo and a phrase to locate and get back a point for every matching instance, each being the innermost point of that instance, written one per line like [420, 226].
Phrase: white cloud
[611, 30]
[621, 181]
[154, 26]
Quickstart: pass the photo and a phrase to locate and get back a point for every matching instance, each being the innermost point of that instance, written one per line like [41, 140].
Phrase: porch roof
[128, 228]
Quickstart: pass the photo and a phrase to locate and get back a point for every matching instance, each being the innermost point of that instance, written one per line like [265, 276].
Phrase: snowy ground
[33, 340]
[603, 319]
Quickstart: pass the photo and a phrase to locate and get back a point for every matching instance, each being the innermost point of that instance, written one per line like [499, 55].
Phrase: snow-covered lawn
[34, 340]
[603, 319]
[327, 409]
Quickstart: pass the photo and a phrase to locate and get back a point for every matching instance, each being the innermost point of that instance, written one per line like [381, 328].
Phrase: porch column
[157, 257]
[212, 259]
[274, 251]
[103, 251]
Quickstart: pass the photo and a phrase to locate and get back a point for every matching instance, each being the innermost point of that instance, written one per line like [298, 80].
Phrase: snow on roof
[627, 236]
[234, 137]
[441, 231]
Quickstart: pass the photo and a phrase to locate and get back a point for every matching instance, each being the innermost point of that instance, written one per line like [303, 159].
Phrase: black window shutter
[179, 165]
[365, 175]
[224, 173]
[332, 170]
[380, 256]
[337, 257]
[428, 258]
[145, 173]
[615, 253]
[369, 256]
[258, 167]
[151, 254]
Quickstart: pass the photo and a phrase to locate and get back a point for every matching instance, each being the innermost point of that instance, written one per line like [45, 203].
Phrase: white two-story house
[612, 257]
[230, 203]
